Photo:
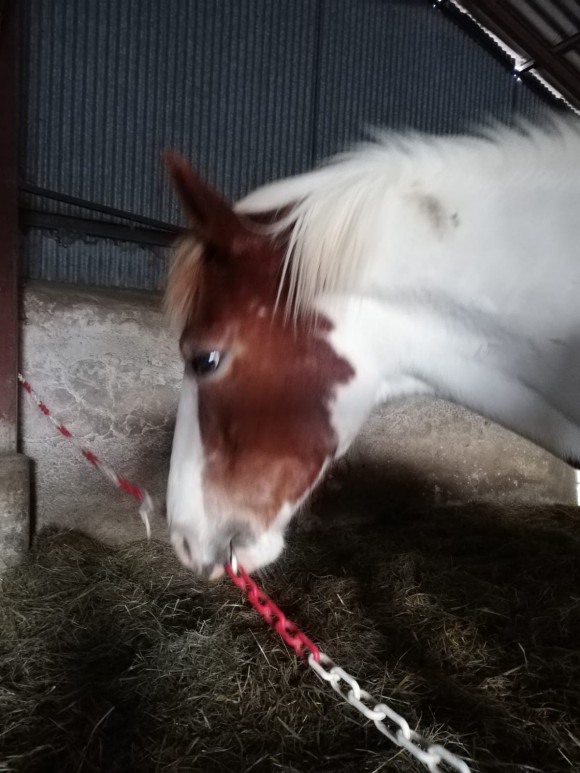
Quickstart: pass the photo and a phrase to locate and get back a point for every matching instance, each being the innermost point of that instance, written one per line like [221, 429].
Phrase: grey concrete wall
[105, 364]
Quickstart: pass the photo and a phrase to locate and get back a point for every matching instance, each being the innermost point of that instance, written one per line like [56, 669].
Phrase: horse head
[254, 428]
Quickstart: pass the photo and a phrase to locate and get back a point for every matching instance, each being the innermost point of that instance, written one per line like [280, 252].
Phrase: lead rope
[146, 507]
[386, 720]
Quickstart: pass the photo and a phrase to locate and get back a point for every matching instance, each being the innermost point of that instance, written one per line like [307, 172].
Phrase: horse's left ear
[210, 216]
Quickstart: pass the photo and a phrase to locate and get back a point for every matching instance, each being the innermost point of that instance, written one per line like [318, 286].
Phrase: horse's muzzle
[207, 560]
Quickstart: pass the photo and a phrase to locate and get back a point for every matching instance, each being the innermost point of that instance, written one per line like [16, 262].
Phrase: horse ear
[210, 215]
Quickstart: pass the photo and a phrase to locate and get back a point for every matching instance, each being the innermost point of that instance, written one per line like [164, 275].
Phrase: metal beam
[93, 206]
[51, 221]
[508, 22]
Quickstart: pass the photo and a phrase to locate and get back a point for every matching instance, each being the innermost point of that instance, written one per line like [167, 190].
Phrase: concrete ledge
[14, 509]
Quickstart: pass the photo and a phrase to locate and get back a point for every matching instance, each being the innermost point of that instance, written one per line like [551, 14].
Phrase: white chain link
[398, 730]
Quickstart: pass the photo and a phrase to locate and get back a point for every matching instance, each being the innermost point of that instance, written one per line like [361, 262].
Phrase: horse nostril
[206, 571]
[239, 537]
[186, 549]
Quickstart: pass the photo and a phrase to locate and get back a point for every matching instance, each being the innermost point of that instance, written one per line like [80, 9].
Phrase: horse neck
[465, 296]
[374, 336]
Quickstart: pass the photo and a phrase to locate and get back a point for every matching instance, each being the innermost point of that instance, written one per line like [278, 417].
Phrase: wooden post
[9, 235]
[14, 467]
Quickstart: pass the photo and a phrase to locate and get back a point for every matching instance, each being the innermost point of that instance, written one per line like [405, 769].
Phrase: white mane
[332, 211]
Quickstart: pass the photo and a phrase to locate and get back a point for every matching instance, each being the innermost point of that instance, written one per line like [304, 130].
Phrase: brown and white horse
[438, 265]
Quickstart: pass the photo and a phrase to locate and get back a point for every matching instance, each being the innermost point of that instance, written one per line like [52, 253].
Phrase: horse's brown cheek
[265, 423]
[258, 466]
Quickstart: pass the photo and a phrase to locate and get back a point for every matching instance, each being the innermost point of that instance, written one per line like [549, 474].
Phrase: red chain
[274, 616]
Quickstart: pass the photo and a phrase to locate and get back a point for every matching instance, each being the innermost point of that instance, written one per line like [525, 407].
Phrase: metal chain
[386, 720]
[272, 614]
[396, 729]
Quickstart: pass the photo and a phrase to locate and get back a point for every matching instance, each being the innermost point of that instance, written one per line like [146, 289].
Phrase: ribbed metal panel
[528, 102]
[251, 90]
[404, 65]
[108, 85]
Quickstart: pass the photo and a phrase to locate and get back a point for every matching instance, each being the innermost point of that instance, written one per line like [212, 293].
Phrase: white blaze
[185, 507]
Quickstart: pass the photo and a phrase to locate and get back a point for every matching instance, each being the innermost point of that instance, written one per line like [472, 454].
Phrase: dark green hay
[467, 621]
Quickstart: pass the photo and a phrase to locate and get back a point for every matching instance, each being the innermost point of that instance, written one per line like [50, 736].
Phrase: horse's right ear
[210, 215]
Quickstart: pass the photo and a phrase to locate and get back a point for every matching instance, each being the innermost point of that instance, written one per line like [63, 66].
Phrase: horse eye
[205, 363]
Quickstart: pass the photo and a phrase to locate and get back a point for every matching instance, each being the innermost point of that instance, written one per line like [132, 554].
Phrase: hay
[467, 621]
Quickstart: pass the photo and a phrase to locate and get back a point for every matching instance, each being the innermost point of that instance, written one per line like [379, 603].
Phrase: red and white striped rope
[146, 508]
[387, 721]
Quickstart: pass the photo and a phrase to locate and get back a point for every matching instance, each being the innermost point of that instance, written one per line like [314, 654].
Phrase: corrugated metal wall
[250, 90]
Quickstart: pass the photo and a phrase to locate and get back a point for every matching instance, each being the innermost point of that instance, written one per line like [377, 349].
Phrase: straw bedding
[466, 620]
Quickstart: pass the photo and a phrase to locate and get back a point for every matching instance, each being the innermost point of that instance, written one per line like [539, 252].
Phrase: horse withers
[447, 266]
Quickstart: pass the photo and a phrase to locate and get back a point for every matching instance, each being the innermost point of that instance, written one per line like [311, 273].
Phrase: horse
[410, 264]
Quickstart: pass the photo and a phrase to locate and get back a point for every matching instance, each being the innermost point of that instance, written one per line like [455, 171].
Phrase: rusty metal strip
[9, 237]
